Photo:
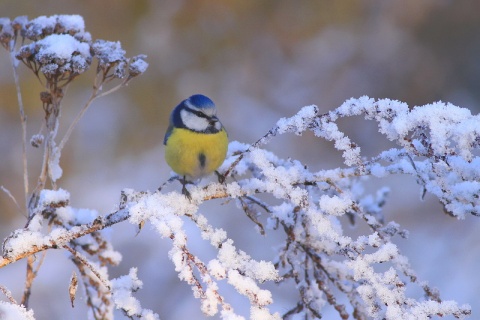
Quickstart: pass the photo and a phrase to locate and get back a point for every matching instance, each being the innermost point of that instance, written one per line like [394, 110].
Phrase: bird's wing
[168, 133]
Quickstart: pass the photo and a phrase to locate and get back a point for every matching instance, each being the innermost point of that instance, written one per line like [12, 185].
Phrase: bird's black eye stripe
[197, 113]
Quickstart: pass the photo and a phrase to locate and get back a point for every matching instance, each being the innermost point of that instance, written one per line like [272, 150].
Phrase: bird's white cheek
[193, 122]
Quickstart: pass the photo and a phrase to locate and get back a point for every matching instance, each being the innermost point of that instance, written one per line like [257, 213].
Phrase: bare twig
[90, 266]
[23, 121]
[31, 275]
[65, 138]
[95, 95]
[9, 194]
[29, 280]
[7, 294]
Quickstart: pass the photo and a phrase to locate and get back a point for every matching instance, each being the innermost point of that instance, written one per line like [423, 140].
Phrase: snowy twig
[8, 294]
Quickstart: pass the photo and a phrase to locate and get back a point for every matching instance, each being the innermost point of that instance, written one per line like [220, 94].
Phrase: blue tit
[195, 142]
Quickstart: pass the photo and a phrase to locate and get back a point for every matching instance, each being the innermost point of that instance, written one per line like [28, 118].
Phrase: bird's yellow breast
[194, 154]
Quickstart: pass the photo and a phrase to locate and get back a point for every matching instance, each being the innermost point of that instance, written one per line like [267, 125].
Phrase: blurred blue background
[259, 61]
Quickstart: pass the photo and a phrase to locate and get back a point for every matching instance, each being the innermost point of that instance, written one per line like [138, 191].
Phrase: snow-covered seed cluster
[61, 49]
[60, 45]
[57, 49]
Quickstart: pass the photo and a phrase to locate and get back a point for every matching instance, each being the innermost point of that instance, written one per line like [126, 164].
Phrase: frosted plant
[57, 49]
[437, 145]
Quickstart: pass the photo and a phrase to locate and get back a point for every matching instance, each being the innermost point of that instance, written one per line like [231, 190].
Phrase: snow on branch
[316, 255]
[437, 144]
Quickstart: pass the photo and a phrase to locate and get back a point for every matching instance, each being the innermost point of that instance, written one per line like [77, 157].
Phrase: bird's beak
[213, 120]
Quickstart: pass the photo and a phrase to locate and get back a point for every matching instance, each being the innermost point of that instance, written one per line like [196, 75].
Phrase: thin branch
[90, 266]
[23, 121]
[31, 275]
[93, 96]
[29, 280]
[8, 294]
[9, 194]
[124, 83]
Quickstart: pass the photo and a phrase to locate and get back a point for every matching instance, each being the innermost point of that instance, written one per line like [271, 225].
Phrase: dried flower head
[60, 47]
[6, 32]
[137, 65]
[110, 55]
[43, 26]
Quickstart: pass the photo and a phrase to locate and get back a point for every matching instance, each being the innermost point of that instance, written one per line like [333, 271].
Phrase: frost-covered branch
[437, 145]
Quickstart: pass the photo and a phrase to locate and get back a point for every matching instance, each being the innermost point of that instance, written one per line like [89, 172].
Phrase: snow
[122, 289]
[298, 123]
[217, 270]
[210, 302]
[59, 49]
[262, 271]
[216, 237]
[40, 25]
[9, 311]
[257, 313]
[43, 25]
[433, 146]
[138, 65]
[334, 205]
[284, 212]
[21, 241]
[248, 287]
[53, 197]
[71, 23]
[108, 52]
[6, 29]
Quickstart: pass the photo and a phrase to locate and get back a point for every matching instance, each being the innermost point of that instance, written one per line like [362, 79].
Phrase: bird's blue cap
[201, 101]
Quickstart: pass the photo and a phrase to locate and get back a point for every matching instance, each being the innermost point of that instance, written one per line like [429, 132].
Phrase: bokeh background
[259, 61]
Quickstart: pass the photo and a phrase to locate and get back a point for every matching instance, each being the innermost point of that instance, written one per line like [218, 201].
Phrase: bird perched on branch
[195, 142]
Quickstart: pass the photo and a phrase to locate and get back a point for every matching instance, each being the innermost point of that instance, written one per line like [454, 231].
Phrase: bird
[195, 142]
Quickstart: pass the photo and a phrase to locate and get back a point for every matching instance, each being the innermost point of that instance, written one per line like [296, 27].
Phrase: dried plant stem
[112, 90]
[10, 195]
[90, 266]
[29, 280]
[31, 275]
[8, 294]
[95, 95]
[23, 121]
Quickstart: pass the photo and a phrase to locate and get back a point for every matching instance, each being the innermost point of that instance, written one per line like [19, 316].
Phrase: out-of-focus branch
[23, 121]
